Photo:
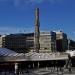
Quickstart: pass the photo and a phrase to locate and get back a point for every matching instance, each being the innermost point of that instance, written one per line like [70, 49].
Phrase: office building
[0, 41]
[71, 45]
[47, 42]
[25, 42]
[61, 41]
[18, 42]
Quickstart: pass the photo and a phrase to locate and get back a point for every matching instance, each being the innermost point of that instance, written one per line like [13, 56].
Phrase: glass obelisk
[36, 32]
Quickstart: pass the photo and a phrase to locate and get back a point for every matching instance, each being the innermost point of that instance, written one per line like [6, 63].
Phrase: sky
[17, 16]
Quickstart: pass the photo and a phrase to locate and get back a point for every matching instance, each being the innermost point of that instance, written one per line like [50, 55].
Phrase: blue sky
[17, 16]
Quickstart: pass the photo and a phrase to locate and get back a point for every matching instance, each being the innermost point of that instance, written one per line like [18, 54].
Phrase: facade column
[33, 65]
[16, 69]
[38, 64]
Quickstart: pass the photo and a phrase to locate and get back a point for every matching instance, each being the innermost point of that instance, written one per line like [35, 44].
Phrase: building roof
[9, 55]
[6, 52]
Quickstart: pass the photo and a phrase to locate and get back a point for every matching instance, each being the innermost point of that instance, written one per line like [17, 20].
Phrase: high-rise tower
[36, 32]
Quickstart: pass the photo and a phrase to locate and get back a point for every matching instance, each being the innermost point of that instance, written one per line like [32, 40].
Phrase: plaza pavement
[43, 71]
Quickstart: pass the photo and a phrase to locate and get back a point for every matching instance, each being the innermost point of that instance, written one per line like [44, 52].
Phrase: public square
[42, 71]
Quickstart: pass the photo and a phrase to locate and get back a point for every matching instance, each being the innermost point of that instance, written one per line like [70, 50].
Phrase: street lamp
[68, 44]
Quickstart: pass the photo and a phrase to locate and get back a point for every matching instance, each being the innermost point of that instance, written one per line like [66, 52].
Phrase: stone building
[47, 41]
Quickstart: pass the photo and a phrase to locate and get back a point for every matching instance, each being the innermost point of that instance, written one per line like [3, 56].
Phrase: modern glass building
[20, 43]
[61, 41]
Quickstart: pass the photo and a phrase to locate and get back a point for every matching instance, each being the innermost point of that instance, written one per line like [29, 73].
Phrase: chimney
[36, 32]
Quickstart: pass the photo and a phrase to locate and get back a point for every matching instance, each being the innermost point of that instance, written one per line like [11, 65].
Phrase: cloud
[36, 1]
[40, 1]
[25, 2]
[3, 0]
[28, 3]
[11, 30]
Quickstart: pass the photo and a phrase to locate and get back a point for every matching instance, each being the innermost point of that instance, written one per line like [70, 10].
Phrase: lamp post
[68, 44]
